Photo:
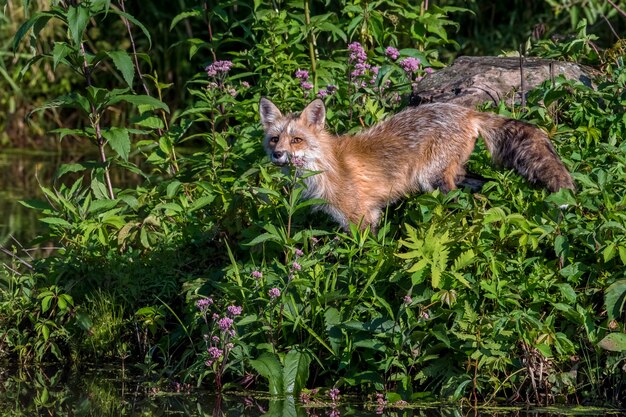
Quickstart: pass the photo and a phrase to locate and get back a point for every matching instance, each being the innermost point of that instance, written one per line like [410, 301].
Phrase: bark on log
[470, 80]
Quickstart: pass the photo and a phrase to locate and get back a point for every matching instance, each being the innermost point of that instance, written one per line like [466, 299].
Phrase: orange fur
[419, 149]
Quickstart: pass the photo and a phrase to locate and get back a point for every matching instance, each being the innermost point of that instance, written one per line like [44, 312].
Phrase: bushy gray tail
[526, 149]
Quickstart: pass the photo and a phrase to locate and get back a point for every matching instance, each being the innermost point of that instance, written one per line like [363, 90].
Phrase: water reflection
[110, 391]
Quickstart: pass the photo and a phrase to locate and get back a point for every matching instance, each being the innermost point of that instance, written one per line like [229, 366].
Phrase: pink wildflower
[302, 75]
[392, 52]
[218, 68]
[410, 64]
[215, 353]
[334, 394]
[225, 323]
[357, 53]
[204, 303]
[274, 293]
[235, 310]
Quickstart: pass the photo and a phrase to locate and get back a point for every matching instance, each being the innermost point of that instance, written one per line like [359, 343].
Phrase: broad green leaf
[295, 372]
[201, 202]
[36, 204]
[46, 302]
[45, 332]
[615, 299]
[119, 140]
[59, 52]
[77, 19]
[268, 366]
[124, 64]
[614, 342]
[172, 188]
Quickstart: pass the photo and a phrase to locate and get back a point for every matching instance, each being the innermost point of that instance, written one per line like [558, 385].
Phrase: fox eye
[274, 139]
[296, 140]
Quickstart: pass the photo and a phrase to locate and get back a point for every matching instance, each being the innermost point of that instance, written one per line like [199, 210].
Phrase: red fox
[419, 149]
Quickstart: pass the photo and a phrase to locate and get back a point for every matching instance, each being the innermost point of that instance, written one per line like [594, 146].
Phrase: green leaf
[615, 298]
[614, 342]
[119, 140]
[65, 168]
[136, 22]
[59, 52]
[124, 64]
[41, 19]
[56, 221]
[567, 292]
[45, 331]
[295, 372]
[137, 100]
[46, 302]
[83, 320]
[268, 366]
[36, 204]
[262, 238]
[184, 15]
[77, 19]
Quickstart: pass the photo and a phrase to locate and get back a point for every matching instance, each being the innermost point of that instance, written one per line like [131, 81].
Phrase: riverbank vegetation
[213, 272]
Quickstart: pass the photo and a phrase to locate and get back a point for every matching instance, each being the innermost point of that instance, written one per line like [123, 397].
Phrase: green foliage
[215, 270]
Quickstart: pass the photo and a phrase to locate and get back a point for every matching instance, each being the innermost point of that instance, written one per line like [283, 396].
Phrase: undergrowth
[214, 272]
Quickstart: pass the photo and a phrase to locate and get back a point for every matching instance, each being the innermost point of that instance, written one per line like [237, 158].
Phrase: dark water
[113, 391]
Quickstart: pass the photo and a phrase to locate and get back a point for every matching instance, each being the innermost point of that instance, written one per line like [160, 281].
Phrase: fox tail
[525, 148]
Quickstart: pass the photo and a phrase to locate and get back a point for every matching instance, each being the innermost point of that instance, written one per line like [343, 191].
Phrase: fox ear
[315, 114]
[269, 112]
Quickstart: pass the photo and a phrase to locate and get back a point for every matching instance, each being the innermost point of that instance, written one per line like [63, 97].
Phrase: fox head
[293, 138]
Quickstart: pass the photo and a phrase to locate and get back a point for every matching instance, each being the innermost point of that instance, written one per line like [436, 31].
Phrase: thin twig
[521, 72]
[17, 258]
[617, 8]
[11, 269]
[17, 242]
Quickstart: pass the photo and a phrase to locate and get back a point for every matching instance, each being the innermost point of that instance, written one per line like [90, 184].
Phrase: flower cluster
[362, 69]
[274, 293]
[392, 52]
[218, 68]
[303, 76]
[381, 402]
[329, 90]
[334, 394]
[410, 65]
[204, 303]
[221, 331]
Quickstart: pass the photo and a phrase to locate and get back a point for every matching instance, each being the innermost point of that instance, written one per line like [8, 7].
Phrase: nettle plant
[96, 103]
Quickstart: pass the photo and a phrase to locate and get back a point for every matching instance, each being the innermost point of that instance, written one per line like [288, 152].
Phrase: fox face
[292, 138]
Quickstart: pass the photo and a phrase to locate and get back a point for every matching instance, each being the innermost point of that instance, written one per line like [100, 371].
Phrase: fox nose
[277, 154]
